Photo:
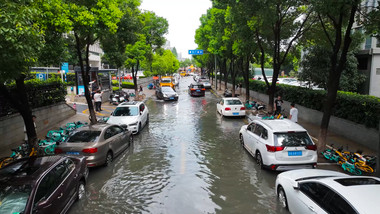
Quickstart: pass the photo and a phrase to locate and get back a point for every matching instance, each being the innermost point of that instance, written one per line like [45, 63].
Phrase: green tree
[165, 64]
[336, 19]
[174, 51]
[21, 40]
[87, 21]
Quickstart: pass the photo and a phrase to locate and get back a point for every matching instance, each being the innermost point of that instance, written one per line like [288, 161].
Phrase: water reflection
[187, 160]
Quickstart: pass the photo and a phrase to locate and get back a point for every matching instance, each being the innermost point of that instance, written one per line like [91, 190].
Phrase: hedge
[361, 109]
[70, 77]
[129, 85]
[40, 93]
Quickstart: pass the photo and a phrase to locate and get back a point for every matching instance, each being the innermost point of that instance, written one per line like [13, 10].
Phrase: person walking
[278, 105]
[293, 113]
[98, 100]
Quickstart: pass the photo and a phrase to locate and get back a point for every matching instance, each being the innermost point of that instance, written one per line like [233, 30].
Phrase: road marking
[212, 91]
[96, 113]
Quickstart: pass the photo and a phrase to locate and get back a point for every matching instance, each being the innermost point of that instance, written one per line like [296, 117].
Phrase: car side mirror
[297, 186]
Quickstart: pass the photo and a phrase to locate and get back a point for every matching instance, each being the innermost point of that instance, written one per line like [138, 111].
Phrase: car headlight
[133, 124]
[165, 95]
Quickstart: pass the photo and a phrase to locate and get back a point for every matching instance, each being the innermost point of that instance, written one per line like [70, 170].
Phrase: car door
[143, 113]
[111, 141]
[53, 192]
[249, 138]
[309, 198]
[122, 138]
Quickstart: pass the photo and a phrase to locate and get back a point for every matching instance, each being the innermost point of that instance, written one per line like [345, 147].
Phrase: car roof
[281, 125]
[126, 104]
[27, 170]
[230, 98]
[196, 84]
[364, 197]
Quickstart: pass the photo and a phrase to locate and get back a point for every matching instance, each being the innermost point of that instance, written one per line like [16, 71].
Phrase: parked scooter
[119, 98]
[254, 105]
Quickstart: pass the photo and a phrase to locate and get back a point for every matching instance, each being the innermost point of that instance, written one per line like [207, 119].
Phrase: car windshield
[126, 111]
[84, 136]
[13, 198]
[167, 89]
[166, 80]
[233, 102]
[292, 139]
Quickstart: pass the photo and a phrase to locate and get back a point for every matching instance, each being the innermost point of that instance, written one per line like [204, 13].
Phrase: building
[369, 56]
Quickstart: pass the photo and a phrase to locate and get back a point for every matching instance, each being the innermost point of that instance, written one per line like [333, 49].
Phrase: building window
[377, 71]
[368, 43]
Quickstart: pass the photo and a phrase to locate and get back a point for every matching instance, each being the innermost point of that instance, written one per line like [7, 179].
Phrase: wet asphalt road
[188, 159]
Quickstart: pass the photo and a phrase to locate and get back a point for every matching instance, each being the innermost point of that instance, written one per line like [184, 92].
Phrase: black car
[49, 184]
[197, 89]
[166, 93]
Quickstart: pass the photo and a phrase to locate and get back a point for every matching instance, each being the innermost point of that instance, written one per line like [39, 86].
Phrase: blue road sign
[196, 52]
[65, 67]
[40, 76]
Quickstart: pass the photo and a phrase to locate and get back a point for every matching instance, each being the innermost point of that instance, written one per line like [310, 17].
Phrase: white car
[279, 144]
[131, 115]
[206, 84]
[323, 191]
[230, 106]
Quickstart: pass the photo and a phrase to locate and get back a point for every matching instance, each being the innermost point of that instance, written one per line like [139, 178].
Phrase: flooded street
[188, 159]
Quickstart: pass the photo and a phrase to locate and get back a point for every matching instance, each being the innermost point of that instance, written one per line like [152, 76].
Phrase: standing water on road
[188, 159]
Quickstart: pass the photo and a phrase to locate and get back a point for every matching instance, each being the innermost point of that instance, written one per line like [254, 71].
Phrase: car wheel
[282, 197]
[109, 159]
[259, 160]
[241, 139]
[81, 191]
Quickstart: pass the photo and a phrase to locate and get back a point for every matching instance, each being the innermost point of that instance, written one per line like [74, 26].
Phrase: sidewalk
[332, 138]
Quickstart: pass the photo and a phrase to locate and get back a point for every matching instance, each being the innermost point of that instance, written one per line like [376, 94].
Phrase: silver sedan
[100, 144]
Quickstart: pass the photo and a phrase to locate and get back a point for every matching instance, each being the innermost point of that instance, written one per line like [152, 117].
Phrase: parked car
[197, 89]
[49, 184]
[324, 191]
[279, 144]
[206, 84]
[166, 93]
[99, 143]
[131, 115]
[230, 106]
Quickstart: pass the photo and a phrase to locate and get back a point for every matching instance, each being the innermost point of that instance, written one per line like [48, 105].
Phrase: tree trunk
[85, 73]
[246, 78]
[335, 72]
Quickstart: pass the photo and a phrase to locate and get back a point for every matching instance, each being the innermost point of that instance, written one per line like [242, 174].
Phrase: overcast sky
[183, 17]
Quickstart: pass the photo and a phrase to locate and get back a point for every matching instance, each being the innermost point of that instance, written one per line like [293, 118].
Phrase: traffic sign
[41, 76]
[196, 52]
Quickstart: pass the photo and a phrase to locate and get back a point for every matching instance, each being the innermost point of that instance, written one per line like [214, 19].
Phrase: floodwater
[187, 160]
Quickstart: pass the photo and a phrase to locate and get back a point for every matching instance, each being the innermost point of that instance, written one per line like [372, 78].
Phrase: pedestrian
[293, 113]
[98, 100]
[278, 105]
[141, 90]
[35, 127]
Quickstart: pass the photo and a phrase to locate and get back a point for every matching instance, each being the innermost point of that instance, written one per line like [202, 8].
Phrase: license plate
[172, 98]
[72, 153]
[294, 153]
[198, 90]
[235, 113]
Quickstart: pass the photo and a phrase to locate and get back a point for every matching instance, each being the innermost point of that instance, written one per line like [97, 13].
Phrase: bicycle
[350, 167]
[19, 152]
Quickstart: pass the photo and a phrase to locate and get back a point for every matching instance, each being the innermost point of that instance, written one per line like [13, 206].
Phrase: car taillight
[203, 89]
[242, 108]
[228, 109]
[90, 150]
[274, 148]
[311, 147]
[192, 89]
[58, 151]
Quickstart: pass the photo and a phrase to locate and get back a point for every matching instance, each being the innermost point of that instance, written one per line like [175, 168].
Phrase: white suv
[279, 144]
[131, 115]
